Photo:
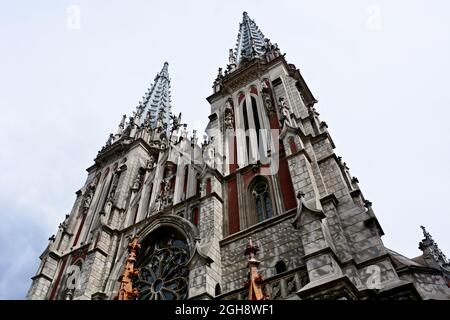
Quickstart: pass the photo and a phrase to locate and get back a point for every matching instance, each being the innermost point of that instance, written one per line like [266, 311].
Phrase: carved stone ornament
[267, 97]
[164, 273]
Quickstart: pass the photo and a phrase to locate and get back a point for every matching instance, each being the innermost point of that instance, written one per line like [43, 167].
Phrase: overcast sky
[380, 70]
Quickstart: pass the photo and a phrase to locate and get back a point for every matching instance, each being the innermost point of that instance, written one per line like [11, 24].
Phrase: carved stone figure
[88, 197]
[285, 112]
[115, 182]
[150, 163]
[194, 137]
[267, 97]
[138, 180]
[110, 140]
[231, 57]
[176, 121]
[184, 131]
[229, 116]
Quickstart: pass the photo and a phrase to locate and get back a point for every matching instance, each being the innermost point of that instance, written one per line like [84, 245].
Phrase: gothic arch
[260, 201]
[183, 226]
[163, 264]
[280, 267]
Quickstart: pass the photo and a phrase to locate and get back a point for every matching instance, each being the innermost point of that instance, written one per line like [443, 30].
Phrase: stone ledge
[202, 296]
[302, 151]
[329, 198]
[331, 288]
[325, 250]
[212, 194]
[41, 275]
[323, 159]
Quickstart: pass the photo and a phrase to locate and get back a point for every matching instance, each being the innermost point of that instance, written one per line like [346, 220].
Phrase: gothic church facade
[262, 207]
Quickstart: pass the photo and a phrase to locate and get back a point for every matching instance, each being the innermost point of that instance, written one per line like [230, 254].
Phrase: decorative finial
[367, 204]
[255, 280]
[431, 250]
[126, 290]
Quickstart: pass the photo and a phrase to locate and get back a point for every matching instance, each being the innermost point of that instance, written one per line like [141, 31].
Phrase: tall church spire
[251, 41]
[156, 100]
[251, 44]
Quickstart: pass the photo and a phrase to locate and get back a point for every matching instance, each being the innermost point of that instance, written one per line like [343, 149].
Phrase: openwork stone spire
[431, 249]
[251, 41]
[157, 100]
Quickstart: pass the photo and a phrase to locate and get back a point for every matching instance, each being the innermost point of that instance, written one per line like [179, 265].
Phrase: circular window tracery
[163, 267]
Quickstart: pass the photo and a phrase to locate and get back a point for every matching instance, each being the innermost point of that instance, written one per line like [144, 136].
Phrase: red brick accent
[233, 154]
[58, 279]
[292, 145]
[195, 216]
[208, 186]
[233, 207]
[273, 120]
[241, 97]
[79, 229]
[287, 189]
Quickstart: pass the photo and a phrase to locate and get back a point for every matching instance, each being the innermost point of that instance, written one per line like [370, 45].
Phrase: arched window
[208, 186]
[246, 127]
[263, 203]
[162, 262]
[185, 182]
[195, 216]
[256, 118]
[197, 188]
[280, 267]
[292, 145]
[218, 290]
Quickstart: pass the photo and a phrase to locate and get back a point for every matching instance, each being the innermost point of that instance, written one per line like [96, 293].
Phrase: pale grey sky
[380, 70]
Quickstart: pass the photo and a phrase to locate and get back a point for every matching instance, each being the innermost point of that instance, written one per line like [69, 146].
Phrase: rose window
[163, 269]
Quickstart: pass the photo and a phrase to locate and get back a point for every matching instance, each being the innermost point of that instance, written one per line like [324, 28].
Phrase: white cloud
[383, 94]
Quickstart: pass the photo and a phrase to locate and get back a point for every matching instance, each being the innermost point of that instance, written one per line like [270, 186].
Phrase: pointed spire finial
[251, 41]
[254, 282]
[127, 291]
[121, 125]
[155, 99]
[431, 250]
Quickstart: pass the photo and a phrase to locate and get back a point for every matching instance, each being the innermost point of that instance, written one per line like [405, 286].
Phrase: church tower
[180, 214]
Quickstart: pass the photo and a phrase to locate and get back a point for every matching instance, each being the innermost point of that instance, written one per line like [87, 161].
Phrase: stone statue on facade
[267, 97]
[231, 57]
[194, 137]
[285, 113]
[176, 121]
[229, 115]
[88, 196]
[110, 140]
[150, 163]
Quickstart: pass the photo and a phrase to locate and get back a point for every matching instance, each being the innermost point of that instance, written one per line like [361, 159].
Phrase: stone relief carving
[267, 97]
[285, 113]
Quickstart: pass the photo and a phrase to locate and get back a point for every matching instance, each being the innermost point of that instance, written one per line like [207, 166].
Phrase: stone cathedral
[260, 208]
